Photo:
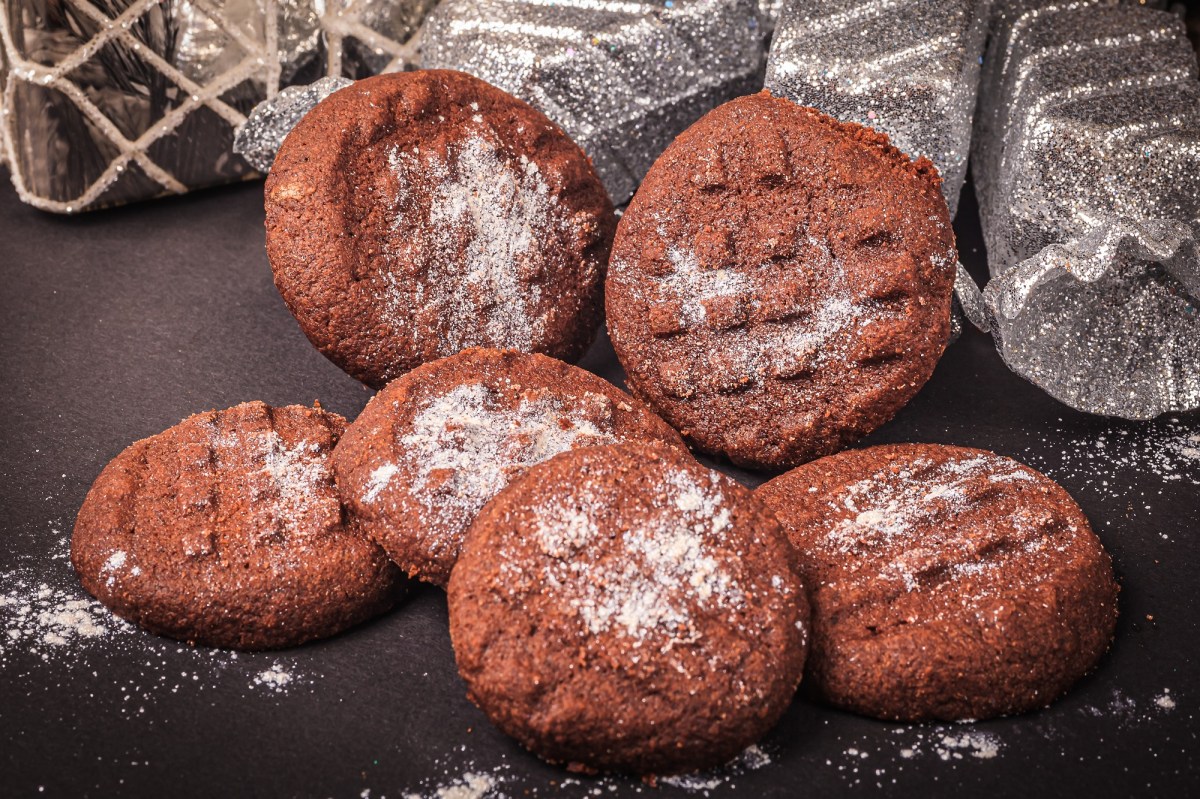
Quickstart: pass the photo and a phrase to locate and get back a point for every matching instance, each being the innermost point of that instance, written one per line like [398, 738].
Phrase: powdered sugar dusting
[276, 678]
[288, 481]
[468, 446]
[673, 563]
[909, 511]
[790, 340]
[502, 214]
[42, 616]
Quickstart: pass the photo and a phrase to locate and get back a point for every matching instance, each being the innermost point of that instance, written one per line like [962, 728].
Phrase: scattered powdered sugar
[673, 564]
[752, 758]
[904, 512]
[503, 214]
[1115, 460]
[276, 678]
[1129, 711]
[39, 617]
[967, 744]
[1164, 700]
[50, 626]
[469, 786]
[691, 285]
[467, 448]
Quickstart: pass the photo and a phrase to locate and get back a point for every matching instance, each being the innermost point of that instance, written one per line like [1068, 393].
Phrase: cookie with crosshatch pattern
[780, 284]
[414, 215]
[227, 530]
[946, 583]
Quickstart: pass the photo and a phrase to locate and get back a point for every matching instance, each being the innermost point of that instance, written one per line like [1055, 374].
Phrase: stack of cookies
[778, 288]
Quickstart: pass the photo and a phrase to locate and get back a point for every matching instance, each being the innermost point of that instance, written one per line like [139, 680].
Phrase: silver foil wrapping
[111, 101]
[1087, 166]
[621, 77]
[268, 125]
[908, 68]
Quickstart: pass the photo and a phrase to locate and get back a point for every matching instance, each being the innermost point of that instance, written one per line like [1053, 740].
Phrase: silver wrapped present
[1088, 169]
[909, 68]
[110, 101]
[621, 77]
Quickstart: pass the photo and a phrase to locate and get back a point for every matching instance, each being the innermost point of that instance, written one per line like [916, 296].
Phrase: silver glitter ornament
[908, 68]
[1087, 164]
[269, 123]
[621, 77]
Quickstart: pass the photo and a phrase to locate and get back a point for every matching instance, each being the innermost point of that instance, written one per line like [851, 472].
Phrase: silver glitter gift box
[622, 77]
[1087, 163]
[111, 101]
[908, 68]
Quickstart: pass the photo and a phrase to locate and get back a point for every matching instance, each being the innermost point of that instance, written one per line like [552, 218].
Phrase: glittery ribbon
[269, 123]
[908, 68]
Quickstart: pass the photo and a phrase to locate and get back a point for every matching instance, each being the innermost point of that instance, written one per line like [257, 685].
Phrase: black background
[117, 324]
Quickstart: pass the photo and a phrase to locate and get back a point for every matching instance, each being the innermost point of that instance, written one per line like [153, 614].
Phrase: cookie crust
[227, 530]
[781, 283]
[946, 583]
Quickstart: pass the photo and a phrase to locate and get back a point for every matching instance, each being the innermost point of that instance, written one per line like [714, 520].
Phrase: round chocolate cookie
[227, 530]
[434, 446]
[781, 283]
[946, 583]
[413, 215]
[623, 608]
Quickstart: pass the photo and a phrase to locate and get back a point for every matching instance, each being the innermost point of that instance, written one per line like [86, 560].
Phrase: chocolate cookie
[413, 215]
[781, 283]
[434, 446]
[227, 530]
[623, 608]
[946, 583]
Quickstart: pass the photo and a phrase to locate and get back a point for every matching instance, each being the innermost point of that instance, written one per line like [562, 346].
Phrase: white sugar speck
[378, 481]
[276, 678]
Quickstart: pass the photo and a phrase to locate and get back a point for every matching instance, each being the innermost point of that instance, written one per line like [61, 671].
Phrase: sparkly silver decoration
[111, 101]
[1087, 166]
[269, 123]
[1106, 323]
[968, 301]
[908, 68]
[622, 77]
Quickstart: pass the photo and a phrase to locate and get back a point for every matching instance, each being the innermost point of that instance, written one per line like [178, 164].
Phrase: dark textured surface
[118, 324]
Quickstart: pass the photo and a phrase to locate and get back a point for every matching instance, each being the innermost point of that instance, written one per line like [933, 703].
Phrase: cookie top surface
[227, 530]
[413, 215]
[623, 608]
[947, 583]
[781, 282]
[434, 446]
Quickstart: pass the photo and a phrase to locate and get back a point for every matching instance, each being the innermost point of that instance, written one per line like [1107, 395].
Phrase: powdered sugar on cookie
[481, 231]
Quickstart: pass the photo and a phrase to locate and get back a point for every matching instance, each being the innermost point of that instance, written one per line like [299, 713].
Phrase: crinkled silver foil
[1087, 164]
[111, 101]
[621, 77]
[269, 123]
[909, 68]
[1108, 323]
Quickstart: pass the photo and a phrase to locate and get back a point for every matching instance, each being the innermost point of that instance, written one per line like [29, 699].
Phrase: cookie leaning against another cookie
[780, 284]
[227, 530]
[624, 608]
[947, 583]
[434, 446]
[413, 215]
